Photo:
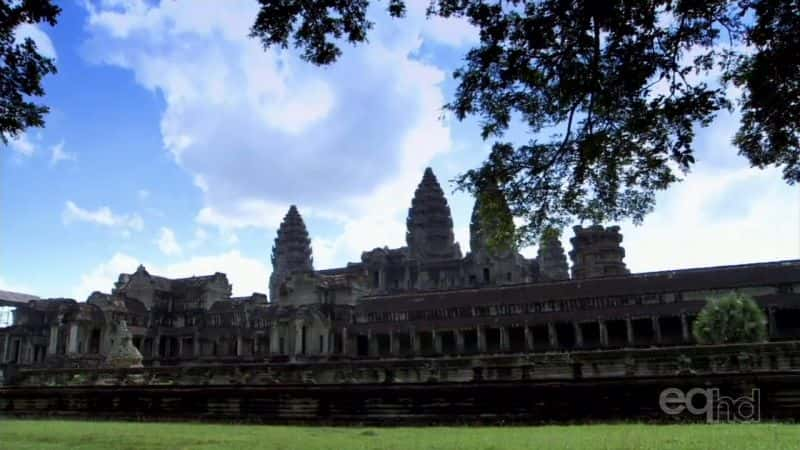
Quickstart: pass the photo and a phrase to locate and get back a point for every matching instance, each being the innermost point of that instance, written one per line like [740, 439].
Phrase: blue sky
[177, 142]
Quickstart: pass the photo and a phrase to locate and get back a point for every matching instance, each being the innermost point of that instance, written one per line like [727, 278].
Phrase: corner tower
[429, 224]
[291, 252]
[597, 252]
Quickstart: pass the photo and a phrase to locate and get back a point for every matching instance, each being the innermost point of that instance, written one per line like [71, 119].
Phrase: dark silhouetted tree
[612, 90]
[728, 319]
[22, 67]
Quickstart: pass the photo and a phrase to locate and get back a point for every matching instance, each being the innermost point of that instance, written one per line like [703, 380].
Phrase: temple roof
[8, 298]
[706, 278]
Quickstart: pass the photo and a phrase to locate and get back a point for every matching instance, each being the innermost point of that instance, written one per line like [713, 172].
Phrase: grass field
[51, 434]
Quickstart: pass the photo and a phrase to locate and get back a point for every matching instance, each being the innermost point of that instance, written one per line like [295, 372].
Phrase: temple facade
[423, 299]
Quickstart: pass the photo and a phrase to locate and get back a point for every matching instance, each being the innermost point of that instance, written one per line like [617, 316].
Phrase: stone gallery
[425, 299]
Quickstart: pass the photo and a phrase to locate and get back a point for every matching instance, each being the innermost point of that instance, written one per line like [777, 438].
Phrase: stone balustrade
[579, 365]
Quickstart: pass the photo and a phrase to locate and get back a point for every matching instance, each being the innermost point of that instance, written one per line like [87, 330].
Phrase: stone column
[459, 341]
[372, 344]
[298, 339]
[504, 339]
[685, 327]
[528, 339]
[629, 328]
[392, 343]
[656, 329]
[274, 340]
[73, 338]
[481, 340]
[552, 335]
[52, 346]
[601, 325]
[180, 346]
[578, 334]
[156, 350]
[256, 349]
[196, 345]
[415, 343]
[344, 341]
[7, 345]
[437, 342]
[772, 330]
[323, 350]
[25, 351]
[239, 345]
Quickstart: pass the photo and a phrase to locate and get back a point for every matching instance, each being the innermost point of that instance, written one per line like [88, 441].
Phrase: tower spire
[291, 252]
[552, 259]
[429, 224]
[493, 229]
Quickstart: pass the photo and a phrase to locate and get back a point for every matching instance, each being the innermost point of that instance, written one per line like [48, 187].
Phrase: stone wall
[601, 385]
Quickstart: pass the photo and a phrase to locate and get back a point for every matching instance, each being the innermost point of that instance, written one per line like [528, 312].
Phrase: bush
[730, 318]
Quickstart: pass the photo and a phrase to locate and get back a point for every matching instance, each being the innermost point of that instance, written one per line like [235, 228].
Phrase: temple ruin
[425, 299]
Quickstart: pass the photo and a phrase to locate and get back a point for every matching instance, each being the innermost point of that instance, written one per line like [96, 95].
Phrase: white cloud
[245, 213]
[247, 275]
[261, 130]
[43, 43]
[737, 216]
[57, 154]
[143, 194]
[200, 238]
[454, 31]
[167, 242]
[258, 131]
[103, 276]
[22, 145]
[101, 216]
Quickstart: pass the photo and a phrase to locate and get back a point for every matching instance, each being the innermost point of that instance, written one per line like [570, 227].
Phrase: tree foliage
[22, 67]
[730, 318]
[492, 223]
[612, 91]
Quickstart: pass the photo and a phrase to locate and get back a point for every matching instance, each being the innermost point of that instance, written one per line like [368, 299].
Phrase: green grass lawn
[51, 434]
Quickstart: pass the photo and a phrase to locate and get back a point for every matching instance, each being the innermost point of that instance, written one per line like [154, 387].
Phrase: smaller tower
[291, 252]
[552, 259]
[597, 252]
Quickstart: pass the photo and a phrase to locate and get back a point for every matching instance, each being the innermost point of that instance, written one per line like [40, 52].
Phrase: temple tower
[597, 252]
[429, 224]
[476, 239]
[500, 217]
[291, 252]
[552, 259]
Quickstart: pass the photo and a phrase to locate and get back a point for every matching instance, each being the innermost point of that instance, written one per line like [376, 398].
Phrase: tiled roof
[16, 297]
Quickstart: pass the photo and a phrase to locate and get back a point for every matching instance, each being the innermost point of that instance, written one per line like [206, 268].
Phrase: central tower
[291, 252]
[429, 225]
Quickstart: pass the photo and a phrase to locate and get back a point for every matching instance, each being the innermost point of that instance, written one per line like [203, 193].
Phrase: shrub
[730, 318]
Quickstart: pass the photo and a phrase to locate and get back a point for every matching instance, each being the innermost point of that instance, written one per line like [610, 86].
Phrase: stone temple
[424, 299]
